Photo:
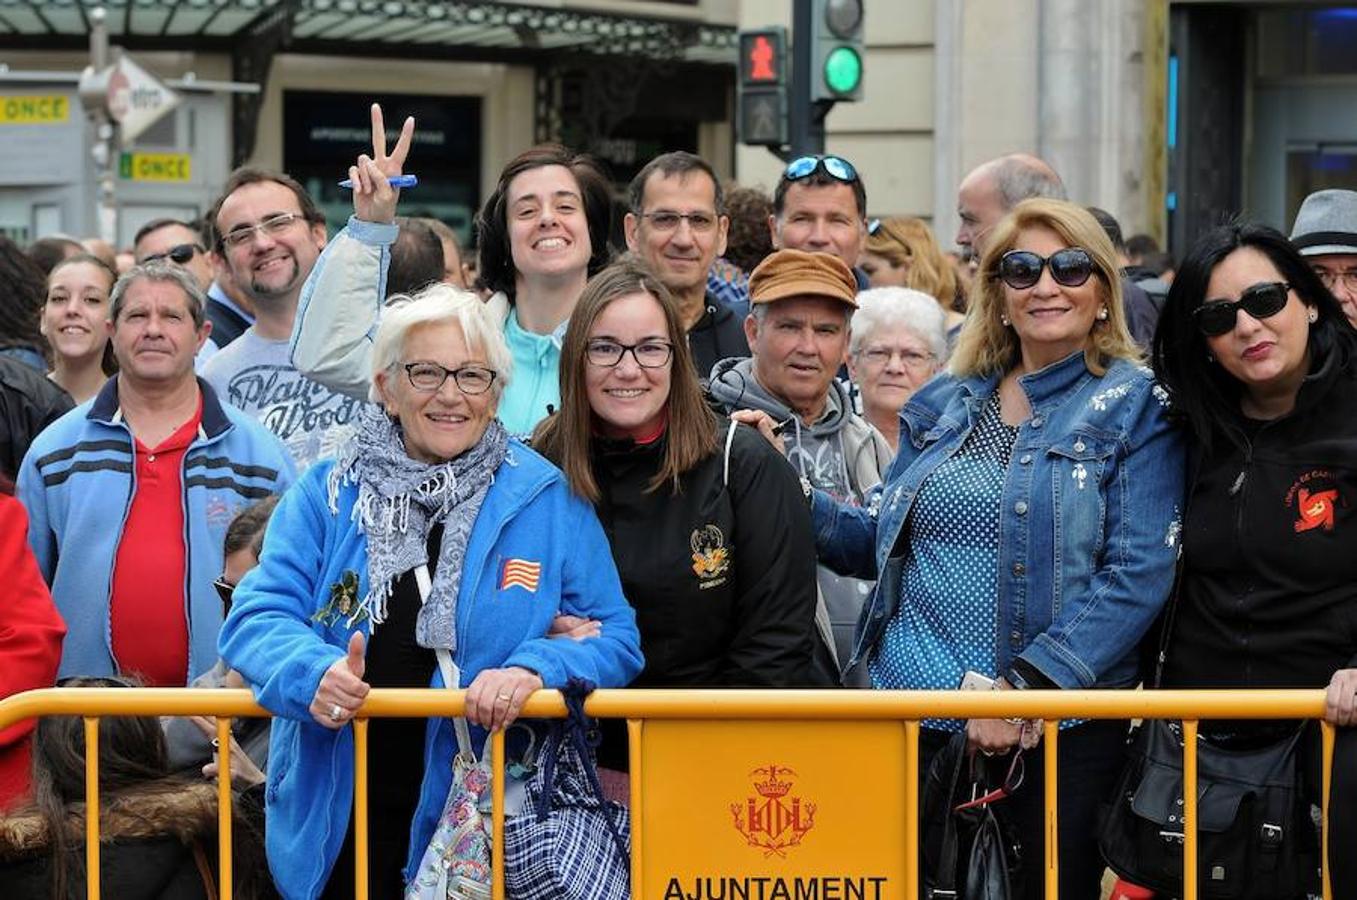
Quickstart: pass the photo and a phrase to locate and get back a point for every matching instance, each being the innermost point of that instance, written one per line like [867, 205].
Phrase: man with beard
[269, 234]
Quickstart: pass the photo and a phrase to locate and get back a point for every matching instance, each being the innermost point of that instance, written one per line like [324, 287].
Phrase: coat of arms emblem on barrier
[774, 820]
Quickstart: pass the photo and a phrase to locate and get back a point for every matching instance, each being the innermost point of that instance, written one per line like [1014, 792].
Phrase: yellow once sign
[34, 109]
[770, 811]
[157, 166]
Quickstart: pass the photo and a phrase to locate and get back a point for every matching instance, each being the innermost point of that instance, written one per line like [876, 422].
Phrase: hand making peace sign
[373, 199]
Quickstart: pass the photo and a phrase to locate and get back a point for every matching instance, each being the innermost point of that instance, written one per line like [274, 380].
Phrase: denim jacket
[1090, 521]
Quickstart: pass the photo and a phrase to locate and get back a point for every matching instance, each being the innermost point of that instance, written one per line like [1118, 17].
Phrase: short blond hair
[987, 346]
[435, 305]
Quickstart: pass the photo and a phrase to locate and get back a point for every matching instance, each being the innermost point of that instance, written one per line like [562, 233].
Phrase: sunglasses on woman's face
[1261, 301]
[1021, 269]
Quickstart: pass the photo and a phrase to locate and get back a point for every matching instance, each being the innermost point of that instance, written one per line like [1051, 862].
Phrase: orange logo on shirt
[1316, 510]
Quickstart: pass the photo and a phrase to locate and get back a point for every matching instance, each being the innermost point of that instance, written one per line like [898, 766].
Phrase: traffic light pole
[805, 119]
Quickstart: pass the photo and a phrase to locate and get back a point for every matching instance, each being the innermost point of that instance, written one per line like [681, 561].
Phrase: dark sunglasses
[1021, 269]
[835, 167]
[225, 590]
[1261, 301]
[178, 254]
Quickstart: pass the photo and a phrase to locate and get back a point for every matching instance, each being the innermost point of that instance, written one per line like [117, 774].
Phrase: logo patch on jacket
[711, 557]
[1316, 500]
[524, 573]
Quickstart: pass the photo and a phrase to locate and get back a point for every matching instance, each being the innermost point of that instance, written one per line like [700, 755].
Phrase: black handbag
[1255, 835]
[1255, 838]
[971, 849]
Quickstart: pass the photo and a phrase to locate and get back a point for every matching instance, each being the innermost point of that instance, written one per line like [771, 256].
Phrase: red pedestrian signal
[763, 57]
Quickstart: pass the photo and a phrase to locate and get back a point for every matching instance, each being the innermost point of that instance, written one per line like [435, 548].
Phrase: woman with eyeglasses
[157, 833]
[705, 519]
[74, 321]
[435, 542]
[897, 343]
[541, 234]
[1261, 366]
[1028, 524]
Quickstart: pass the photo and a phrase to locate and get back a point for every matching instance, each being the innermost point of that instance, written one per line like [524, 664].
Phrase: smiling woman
[75, 323]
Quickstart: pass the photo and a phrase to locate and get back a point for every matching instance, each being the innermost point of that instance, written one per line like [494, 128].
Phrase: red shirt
[148, 621]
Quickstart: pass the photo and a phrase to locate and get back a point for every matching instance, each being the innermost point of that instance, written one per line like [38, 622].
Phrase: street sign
[34, 109]
[156, 167]
[136, 98]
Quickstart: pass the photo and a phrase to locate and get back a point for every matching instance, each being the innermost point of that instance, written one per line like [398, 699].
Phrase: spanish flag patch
[523, 573]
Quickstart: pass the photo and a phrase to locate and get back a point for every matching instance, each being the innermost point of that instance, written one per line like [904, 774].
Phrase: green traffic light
[843, 70]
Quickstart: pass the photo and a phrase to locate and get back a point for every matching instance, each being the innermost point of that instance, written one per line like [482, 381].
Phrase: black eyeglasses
[1262, 301]
[428, 377]
[648, 354]
[225, 590]
[666, 220]
[835, 167]
[1021, 269]
[179, 254]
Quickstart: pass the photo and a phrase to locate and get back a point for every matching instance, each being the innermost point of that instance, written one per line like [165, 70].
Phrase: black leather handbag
[971, 850]
[1255, 835]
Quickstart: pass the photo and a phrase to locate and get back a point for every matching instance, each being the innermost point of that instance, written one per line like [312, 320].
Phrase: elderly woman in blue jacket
[1028, 528]
[340, 601]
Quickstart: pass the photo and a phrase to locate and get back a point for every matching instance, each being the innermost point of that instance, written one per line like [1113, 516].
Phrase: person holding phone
[1027, 528]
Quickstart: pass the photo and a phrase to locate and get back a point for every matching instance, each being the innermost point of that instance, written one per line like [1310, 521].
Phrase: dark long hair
[564, 438]
[496, 268]
[132, 753]
[1201, 393]
[108, 362]
[23, 291]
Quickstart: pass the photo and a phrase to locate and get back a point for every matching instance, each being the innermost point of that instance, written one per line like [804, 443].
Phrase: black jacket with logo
[1268, 588]
[721, 574]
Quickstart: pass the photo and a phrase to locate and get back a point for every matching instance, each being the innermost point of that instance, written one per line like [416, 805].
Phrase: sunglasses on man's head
[179, 254]
[1261, 301]
[835, 167]
[1021, 269]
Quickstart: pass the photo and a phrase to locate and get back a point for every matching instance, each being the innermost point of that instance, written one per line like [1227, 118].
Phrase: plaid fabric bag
[568, 843]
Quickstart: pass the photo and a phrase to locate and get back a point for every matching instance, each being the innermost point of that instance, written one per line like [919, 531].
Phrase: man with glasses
[801, 306]
[677, 226]
[1325, 233]
[129, 496]
[269, 233]
[179, 242]
[820, 206]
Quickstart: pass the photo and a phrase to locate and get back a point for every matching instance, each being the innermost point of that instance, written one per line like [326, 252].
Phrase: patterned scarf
[399, 500]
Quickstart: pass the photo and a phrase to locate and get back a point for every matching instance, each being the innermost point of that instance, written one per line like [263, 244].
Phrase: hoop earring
[1313, 316]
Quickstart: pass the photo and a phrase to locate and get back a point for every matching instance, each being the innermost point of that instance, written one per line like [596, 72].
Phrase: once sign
[34, 109]
[156, 166]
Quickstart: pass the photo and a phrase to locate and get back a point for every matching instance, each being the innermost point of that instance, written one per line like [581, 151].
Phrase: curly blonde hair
[987, 346]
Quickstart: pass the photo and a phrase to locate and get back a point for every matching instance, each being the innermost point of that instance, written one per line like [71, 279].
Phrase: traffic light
[762, 94]
[836, 55]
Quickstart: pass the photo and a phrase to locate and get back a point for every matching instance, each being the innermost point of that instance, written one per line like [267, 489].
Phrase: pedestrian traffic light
[762, 93]
[836, 55]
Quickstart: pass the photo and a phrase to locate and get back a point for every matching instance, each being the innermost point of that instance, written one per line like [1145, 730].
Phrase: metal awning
[501, 31]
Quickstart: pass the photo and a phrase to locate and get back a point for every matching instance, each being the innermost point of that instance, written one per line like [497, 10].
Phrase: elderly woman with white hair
[435, 532]
[899, 341]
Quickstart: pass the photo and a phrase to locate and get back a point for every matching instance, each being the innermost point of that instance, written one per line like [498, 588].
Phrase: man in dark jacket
[677, 226]
[28, 404]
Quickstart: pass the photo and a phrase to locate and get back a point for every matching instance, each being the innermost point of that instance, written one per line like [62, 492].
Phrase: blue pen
[396, 181]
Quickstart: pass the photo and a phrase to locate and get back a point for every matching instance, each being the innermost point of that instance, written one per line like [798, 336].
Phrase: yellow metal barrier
[639, 707]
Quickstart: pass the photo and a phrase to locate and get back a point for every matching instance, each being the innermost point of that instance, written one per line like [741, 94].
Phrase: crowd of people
[770, 442]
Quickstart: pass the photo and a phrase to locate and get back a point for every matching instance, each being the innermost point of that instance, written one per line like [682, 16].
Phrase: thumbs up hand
[342, 688]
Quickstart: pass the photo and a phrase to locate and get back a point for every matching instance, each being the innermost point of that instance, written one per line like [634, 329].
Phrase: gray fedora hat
[1326, 223]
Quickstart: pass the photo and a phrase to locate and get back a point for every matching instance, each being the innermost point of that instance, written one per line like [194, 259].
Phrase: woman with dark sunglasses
[1027, 529]
[1261, 365]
